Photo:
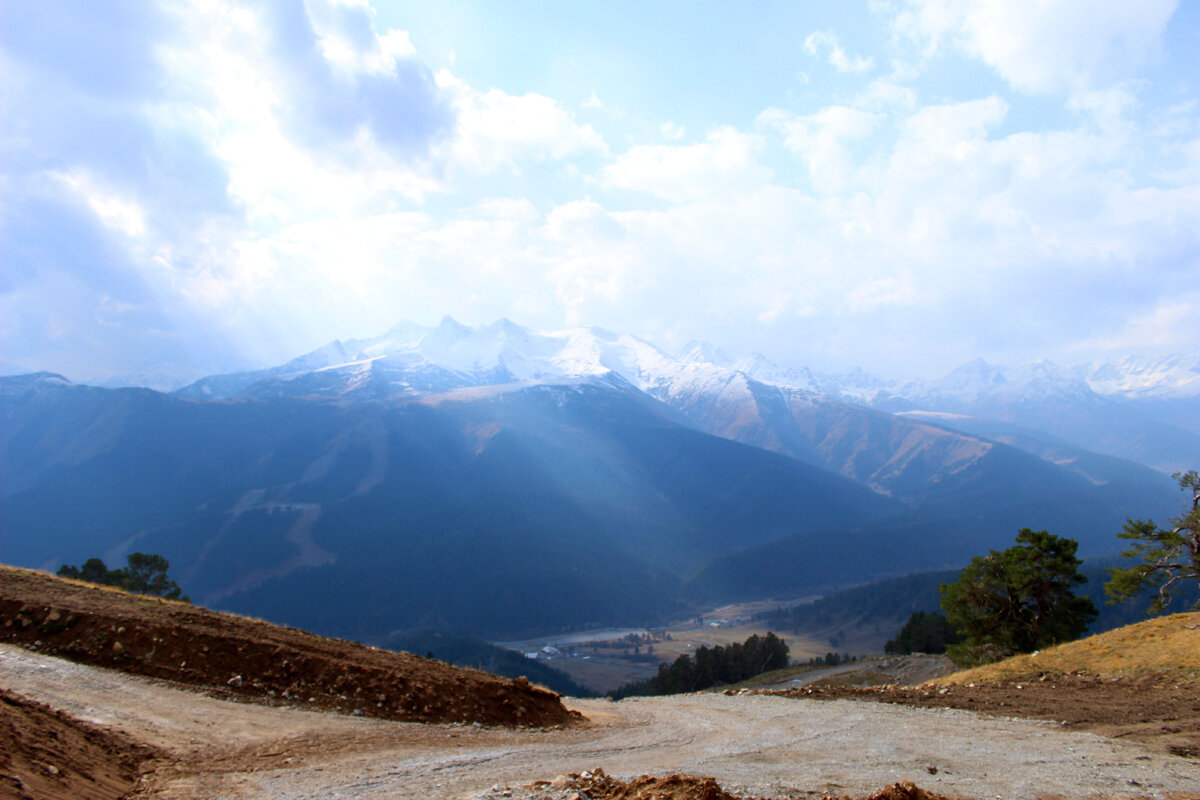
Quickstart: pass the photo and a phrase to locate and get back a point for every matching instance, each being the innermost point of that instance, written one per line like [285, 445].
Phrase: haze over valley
[503, 482]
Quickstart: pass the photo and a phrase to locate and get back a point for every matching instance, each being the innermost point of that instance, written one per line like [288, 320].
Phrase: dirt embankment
[47, 754]
[596, 785]
[252, 660]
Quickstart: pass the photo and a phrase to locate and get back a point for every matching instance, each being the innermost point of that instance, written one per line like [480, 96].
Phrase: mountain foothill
[501, 482]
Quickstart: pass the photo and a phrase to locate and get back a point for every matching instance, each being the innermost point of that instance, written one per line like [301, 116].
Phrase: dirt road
[753, 745]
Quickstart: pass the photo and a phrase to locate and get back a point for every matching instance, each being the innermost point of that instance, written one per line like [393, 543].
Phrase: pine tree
[1168, 555]
[1019, 599]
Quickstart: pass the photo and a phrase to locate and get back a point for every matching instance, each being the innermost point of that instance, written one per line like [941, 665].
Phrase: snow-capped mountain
[1146, 411]
[1129, 377]
[453, 355]
[752, 399]
[410, 360]
[979, 384]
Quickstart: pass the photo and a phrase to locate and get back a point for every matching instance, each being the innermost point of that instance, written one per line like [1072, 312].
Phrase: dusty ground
[252, 660]
[1158, 710]
[1139, 683]
[150, 715]
[752, 745]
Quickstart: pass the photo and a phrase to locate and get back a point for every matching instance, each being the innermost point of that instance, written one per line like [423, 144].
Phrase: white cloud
[329, 183]
[347, 39]
[1164, 328]
[953, 131]
[822, 140]
[495, 129]
[671, 131]
[1046, 46]
[888, 94]
[725, 162]
[881, 293]
[825, 42]
[117, 212]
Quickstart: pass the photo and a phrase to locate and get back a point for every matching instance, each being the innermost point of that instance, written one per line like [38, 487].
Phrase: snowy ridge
[410, 358]
[1163, 377]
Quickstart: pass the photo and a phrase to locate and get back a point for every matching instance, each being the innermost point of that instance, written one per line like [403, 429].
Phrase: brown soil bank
[45, 754]
[253, 660]
[596, 785]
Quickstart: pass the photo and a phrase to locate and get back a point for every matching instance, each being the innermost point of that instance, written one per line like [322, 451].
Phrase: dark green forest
[925, 632]
[712, 666]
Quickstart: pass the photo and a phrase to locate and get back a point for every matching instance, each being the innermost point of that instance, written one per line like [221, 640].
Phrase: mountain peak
[697, 352]
[404, 329]
[507, 327]
[449, 323]
[15, 385]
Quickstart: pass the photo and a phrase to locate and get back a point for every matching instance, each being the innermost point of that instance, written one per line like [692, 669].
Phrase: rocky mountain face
[500, 481]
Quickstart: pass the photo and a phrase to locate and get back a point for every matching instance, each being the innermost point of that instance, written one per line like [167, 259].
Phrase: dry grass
[75, 582]
[1164, 643]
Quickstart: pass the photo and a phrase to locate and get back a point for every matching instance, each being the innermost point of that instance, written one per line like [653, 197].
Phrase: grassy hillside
[1164, 643]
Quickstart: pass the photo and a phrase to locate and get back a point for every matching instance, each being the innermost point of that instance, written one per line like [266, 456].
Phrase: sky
[194, 186]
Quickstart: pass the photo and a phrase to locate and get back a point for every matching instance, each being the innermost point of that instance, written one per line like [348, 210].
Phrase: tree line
[144, 573]
[712, 666]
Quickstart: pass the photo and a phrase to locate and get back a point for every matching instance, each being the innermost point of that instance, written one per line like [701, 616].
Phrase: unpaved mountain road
[753, 745]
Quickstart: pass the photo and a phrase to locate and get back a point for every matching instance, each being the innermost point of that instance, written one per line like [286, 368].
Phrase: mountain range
[499, 481]
[1146, 410]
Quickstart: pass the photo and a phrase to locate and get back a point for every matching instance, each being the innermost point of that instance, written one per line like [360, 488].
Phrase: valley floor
[752, 744]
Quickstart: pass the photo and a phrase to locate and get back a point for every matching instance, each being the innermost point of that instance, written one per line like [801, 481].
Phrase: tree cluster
[712, 666]
[925, 632]
[144, 573]
[831, 660]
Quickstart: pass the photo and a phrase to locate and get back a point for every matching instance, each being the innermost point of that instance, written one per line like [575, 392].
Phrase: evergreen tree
[1019, 599]
[1168, 555]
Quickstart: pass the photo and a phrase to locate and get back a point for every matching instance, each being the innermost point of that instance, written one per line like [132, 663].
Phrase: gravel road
[755, 745]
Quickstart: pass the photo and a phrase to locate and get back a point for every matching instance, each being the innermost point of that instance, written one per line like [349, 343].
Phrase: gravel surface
[752, 744]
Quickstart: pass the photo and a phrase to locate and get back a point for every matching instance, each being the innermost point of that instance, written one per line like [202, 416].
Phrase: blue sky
[902, 185]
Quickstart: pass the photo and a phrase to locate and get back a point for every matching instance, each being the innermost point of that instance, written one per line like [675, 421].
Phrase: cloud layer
[208, 184]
